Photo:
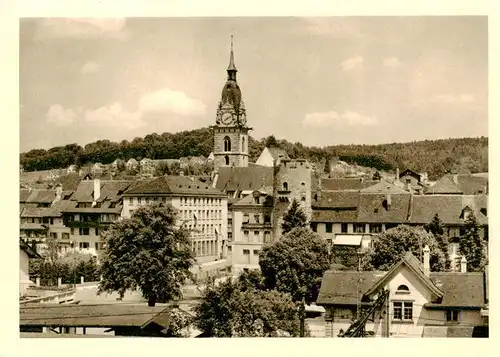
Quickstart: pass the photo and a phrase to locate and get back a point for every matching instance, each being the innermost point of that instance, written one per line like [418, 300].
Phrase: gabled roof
[244, 178]
[334, 215]
[412, 263]
[277, 153]
[410, 173]
[173, 185]
[37, 196]
[460, 184]
[248, 200]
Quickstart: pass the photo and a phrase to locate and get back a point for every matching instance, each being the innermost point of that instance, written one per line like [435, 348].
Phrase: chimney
[455, 179]
[397, 173]
[427, 260]
[59, 191]
[97, 189]
[463, 264]
[389, 200]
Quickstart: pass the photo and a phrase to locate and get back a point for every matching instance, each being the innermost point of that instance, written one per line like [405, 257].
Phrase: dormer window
[285, 186]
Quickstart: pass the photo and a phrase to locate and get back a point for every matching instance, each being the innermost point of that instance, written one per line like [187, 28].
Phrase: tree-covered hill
[435, 157]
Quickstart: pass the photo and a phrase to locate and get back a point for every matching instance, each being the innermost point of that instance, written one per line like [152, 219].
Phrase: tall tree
[147, 251]
[390, 246]
[436, 227]
[472, 245]
[293, 218]
[235, 309]
[295, 264]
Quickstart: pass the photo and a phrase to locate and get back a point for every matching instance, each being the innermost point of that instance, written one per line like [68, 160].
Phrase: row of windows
[203, 229]
[344, 227]
[257, 218]
[205, 248]
[146, 200]
[256, 237]
[84, 231]
[104, 217]
[201, 214]
[190, 201]
[63, 235]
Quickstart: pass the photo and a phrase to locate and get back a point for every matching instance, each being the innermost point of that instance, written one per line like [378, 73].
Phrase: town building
[202, 210]
[471, 184]
[408, 300]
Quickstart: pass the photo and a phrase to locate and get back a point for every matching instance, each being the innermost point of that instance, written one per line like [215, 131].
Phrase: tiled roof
[372, 208]
[334, 216]
[244, 178]
[174, 185]
[28, 250]
[105, 315]
[460, 289]
[69, 182]
[448, 207]
[37, 196]
[29, 210]
[460, 184]
[346, 287]
[339, 184]
[58, 207]
[277, 153]
[248, 200]
[337, 199]
[384, 187]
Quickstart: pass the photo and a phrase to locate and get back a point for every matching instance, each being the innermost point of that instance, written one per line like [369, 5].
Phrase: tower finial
[232, 67]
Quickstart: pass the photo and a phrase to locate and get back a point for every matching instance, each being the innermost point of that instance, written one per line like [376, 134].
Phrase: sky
[320, 81]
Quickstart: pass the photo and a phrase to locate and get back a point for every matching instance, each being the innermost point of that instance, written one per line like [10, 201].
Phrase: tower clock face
[226, 118]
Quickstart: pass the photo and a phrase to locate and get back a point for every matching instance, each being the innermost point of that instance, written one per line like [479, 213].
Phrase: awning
[348, 239]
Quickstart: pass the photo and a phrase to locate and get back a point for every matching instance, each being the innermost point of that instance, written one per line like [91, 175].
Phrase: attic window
[403, 289]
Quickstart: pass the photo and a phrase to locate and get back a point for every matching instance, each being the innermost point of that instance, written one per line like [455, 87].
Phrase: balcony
[284, 192]
[87, 224]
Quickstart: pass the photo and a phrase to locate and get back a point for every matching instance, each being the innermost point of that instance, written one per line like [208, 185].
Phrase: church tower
[230, 129]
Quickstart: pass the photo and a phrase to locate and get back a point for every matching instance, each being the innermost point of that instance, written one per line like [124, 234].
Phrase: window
[229, 236]
[256, 217]
[267, 237]
[343, 227]
[375, 228]
[243, 143]
[246, 252]
[139, 200]
[267, 218]
[403, 289]
[359, 228]
[452, 316]
[303, 199]
[65, 236]
[246, 218]
[408, 181]
[131, 200]
[329, 227]
[314, 227]
[226, 159]
[84, 231]
[83, 245]
[285, 186]
[403, 310]
[245, 235]
[256, 252]
[97, 231]
[96, 245]
[255, 233]
[229, 249]
[53, 235]
[227, 144]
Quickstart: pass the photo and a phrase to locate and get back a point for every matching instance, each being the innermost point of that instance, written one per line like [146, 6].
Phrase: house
[408, 300]
[72, 169]
[271, 156]
[470, 184]
[25, 254]
[97, 168]
[96, 319]
[91, 209]
[202, 210]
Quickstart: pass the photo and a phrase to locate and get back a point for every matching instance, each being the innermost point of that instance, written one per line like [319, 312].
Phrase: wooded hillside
[435, 157]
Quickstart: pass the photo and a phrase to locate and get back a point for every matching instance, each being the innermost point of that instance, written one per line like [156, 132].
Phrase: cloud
[333, 27]
[115, 115]
[333, 118]
[90, 67]
[59, 116]
[167, 100]
[83, 28]
[391, 62]
[453, 98]
[352, 63]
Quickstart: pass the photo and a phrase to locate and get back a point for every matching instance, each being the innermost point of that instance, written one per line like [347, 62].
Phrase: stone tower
[292, 180]
[230, 129]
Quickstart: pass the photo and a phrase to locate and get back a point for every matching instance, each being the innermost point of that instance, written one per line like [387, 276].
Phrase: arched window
[243, 144]
[403, 289]
[285, 186]
[227, 144]
[226, 158]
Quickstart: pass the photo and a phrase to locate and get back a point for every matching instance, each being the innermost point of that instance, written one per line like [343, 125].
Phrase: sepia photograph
[309, 177]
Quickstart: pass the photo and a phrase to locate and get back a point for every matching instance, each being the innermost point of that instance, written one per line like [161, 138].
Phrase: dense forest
[436, 157]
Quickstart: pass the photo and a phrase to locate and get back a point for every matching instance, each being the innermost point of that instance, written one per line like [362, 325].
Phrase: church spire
[231, 69]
